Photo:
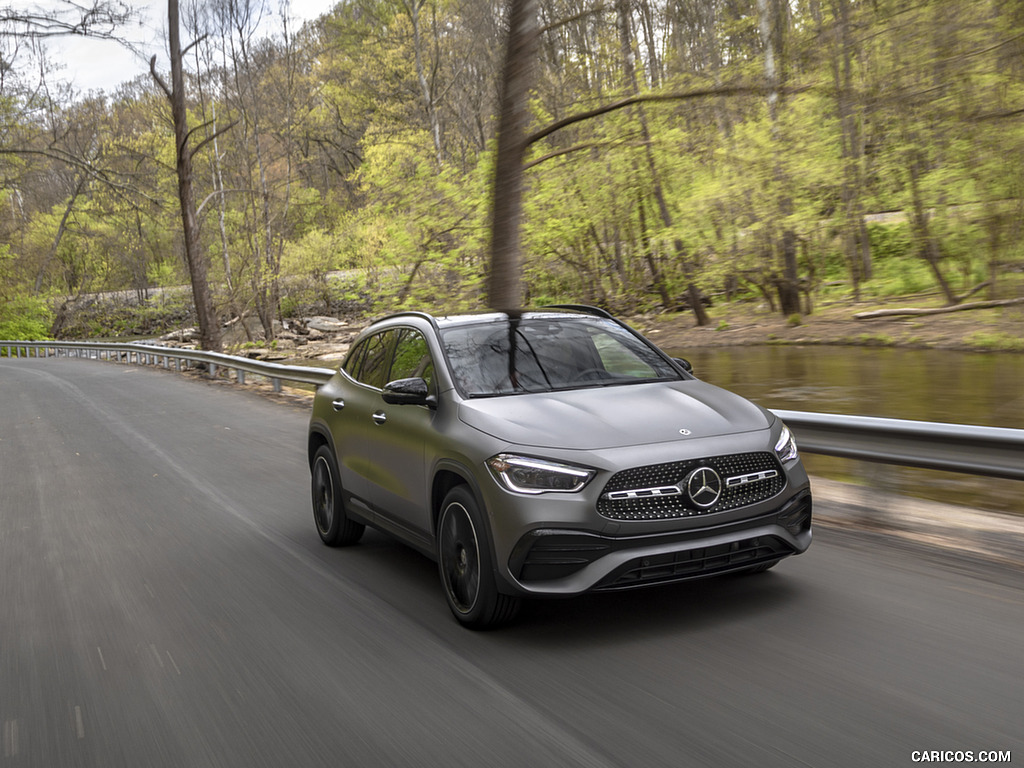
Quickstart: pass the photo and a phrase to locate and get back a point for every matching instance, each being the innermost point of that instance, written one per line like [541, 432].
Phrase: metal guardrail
[149, 354]
[974, 450]
[988, 451]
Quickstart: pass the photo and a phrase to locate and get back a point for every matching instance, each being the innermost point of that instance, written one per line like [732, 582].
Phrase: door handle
[380, 417]
[338, 404]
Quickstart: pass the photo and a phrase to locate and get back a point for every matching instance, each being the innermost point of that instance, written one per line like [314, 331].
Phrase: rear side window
[377, 359]
[371, 359]
[355, 357]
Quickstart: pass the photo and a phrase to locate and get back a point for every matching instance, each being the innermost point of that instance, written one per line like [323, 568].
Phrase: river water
[926, 385]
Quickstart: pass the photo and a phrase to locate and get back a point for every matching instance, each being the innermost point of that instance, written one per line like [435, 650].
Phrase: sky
[104, 64]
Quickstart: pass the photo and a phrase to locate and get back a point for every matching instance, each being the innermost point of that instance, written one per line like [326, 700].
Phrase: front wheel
[464, 561]
[333, 525]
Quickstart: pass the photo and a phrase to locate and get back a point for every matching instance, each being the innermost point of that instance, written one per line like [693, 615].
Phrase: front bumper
[557, 561]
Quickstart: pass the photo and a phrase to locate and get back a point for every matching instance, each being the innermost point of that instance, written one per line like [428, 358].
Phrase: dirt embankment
[983, 330]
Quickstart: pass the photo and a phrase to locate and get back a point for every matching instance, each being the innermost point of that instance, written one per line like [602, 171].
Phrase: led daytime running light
[522, 474]
[785, 448]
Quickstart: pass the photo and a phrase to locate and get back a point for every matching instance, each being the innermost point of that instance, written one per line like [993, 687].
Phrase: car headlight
[523, 474]
[785, 448]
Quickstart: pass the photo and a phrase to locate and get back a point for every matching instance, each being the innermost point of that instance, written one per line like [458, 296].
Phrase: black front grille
[695, 563]
[658, 491]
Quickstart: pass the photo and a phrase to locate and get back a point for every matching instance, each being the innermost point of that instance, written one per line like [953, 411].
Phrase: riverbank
[999, 329]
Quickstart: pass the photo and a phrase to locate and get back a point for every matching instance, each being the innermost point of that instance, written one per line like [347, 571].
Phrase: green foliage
[162, 274]
[890, 241]
[902, 277]
[25, 318]
[369, 148]
[996, 341]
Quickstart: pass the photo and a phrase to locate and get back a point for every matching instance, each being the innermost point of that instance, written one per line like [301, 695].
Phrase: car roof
[487, 316]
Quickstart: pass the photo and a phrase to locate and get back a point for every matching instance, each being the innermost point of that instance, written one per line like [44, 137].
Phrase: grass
[995, 341]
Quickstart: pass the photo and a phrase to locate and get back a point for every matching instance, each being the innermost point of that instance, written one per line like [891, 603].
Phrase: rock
[331, 352]
[183, 335]
[325, 324]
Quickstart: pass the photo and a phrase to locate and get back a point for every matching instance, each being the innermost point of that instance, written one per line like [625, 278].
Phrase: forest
[678, 153]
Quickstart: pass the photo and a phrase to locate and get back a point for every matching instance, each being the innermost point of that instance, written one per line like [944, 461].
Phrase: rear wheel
[333, 525]
[464, 561]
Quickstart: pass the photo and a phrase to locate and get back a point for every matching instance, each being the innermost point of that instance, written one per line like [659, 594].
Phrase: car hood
[614, 417]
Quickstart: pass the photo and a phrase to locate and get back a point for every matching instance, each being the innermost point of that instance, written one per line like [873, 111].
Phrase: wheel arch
[318, 436]
[447, 475]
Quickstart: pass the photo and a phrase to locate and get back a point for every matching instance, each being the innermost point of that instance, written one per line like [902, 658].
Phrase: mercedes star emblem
[704, 486]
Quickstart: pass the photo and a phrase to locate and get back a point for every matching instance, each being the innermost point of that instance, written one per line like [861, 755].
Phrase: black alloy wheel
[464, 561]
[333, 525]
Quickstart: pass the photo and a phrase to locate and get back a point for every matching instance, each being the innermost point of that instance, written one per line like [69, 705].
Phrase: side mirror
[683, 363]
[408, 392]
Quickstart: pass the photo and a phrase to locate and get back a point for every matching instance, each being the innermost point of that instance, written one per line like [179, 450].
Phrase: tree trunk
[505, 282]
[770, 18]
[927, 247]
[60, 232]
[697, 306]
[413, 8]
[209, 327]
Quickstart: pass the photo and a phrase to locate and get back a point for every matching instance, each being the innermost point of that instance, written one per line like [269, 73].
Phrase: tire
[465, 565]
[333, 525]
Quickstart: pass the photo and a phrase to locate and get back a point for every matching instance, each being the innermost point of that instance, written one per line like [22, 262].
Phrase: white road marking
[100, 652]
[172, 663]
[78, 723]
[157, 654]
[10, 738]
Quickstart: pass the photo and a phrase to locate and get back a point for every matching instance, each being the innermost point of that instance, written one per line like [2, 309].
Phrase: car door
[395, 444]
[352, 424]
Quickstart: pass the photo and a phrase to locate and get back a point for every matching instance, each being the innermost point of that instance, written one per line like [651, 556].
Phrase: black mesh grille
[655, 497]
[688, 564]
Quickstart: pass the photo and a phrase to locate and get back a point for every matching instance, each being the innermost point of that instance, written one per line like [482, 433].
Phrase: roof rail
[406, 313]
[586, 308]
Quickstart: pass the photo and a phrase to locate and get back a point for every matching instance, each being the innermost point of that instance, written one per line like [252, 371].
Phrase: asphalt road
[165, 601]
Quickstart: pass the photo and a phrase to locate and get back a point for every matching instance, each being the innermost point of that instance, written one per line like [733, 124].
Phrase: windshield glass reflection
[535, 353]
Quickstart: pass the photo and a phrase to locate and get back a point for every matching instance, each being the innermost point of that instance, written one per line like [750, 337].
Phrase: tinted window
[376, 360]
[537, 354]
[412, 358]
[355, 356]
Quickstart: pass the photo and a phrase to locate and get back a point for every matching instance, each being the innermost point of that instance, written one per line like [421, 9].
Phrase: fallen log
[912, 312]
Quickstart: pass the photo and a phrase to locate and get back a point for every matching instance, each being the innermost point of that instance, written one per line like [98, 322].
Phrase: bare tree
[195, 257]
[100, 19]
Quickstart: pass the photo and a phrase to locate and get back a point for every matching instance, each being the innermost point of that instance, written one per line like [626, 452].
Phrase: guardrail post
[277, 384]
[239, 376]
[213, 370]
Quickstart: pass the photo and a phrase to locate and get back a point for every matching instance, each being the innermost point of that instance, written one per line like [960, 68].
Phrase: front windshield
[541, 353]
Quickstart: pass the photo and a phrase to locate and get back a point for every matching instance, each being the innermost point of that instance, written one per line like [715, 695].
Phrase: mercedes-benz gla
[548, 452]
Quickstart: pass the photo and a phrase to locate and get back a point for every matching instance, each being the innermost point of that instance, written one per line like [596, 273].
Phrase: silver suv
[548, 452]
